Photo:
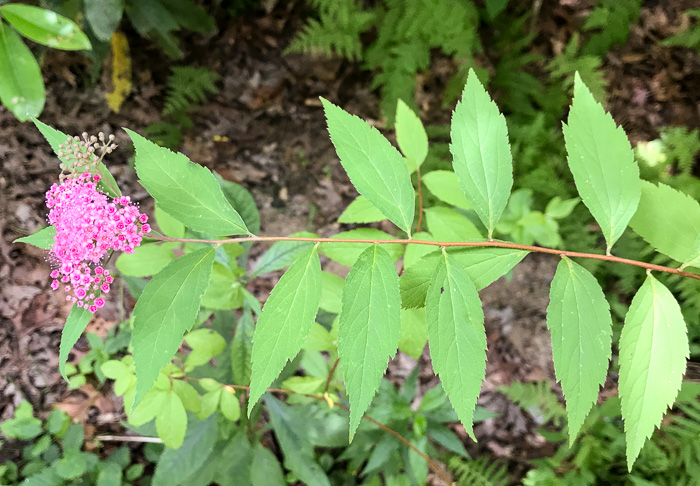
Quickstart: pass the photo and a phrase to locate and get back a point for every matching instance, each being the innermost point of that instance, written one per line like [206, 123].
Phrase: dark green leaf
[76, 323]
[21, 84]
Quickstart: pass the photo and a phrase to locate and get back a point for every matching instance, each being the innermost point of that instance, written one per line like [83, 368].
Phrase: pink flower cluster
[88, 227]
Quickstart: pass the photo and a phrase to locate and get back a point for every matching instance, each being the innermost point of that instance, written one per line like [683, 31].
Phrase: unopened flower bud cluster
[84, 154]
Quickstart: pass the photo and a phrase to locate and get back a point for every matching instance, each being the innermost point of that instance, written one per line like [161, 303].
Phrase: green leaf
[457, 337]
[44, 238]
[602, 162]
[57, 137]
[482, 159]
[104, 17]
[76, 323]
[483, 265]
[414, 253]
[225, 291]
[348, 253]
[243, 201]
[290, 430]
[368, 332]
[361, 211]
[242, 347]
[449, 225]
[375, 167]
[579, 319]
[445, 186]
[169, 225]
[668, 220]
[186, 191]
[174, 465]
[283, 253]
[145, 261]
[205, 344]
[653, 354]
[265, 468]
[331, 292]
[285, 322]
[319, 339]
[166, 309]
[21, 85]
[171, 421]
[46, 27]
[229, 404]
[411, 136]
[414, 332]
[560, 209]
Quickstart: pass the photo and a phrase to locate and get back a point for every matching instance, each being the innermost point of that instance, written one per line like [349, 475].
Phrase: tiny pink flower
[92, 308]
[100, 302]
[105, 288]
[146, 228]
[55, 285]
[54, 274]
[109, 279]
[97, 177]
[143, 218]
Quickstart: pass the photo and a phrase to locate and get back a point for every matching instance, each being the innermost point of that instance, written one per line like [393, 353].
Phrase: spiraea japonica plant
[213, 222]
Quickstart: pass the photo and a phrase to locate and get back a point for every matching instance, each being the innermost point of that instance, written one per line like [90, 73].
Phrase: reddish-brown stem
[330, 375]
[445, 244]
[420, 200]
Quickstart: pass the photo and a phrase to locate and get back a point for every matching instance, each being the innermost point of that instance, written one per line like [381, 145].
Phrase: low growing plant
[375, 310]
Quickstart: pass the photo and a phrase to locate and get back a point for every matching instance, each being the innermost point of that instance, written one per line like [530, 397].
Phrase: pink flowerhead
[96, 177]
[54, 274]
[109, 279]
[143, 218]
[55, 285]
[80, 293]
[146, 228]
[105, 288]
[92, 308]
[99, 270]
[100, 302]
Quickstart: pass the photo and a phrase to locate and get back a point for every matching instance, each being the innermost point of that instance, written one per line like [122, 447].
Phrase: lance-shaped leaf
[188, 192]
[376, 168]
[44, 238]
[285, 322]
[166, 309]
[45, 27]
[361, 211]
[669, 220]
[283, 253]
[21, 85]
[445, 186]
[602, 162]
[457, 337]
[653, 354]
[481, 151]
[76, 323]
[578, 318]
[368, 332]
[411, 136]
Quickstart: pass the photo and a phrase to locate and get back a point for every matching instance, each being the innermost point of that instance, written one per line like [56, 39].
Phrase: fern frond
[681, 145]
[479, 472]
[689, 37]
[611, 19]
[537, 399]
[187, 87]
[589, 68]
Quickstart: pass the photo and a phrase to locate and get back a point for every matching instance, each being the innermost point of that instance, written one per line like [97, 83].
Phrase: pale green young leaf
[168, 225]
[361, 211]
[188, 192]
[653, 354]
[578, 318]
[45, 27]
[411, 136]
[457, 337]
[57, 137]
[332, 292]
[205, 343]
[171, 421]
[146, 260]
[348, 253]
[283, 253]
[445, 186]
[668, 220]
[483, 265]
[285, 322]
[414, 332]
[414, 253]
[44, 238]
[76, 323]
[602, 161]
[229, 405]
[188, 394]
[166, 309]
[446, 224]
[21, 85]
[319, 339]
[374, 166]
[368, 332]
[481, 151]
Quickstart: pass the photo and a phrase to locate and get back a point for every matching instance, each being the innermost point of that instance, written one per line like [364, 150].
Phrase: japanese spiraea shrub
[445, 267]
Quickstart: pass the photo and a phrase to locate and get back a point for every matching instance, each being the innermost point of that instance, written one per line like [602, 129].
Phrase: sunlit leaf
[21, 85]
[445, 186]
[361, 211]
[44, 238]
[76, 323]
[411, 136]
[45, 27]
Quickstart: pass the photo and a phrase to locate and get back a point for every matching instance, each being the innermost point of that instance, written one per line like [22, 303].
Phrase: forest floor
[265, 129]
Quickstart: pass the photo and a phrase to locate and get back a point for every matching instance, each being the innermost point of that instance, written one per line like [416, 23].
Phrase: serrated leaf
[348, 253]
[243, 201]
[361, 211]
[76, 323]
[146, 260]
[242, 347]
[57, 137]
[482, 159]
[186, 191]
[285, 322]
[653, 354]
[457, 337]
[414, 332]
[21, 85]
[45, 27]
[166, 309]
[446, 224]
[414, 253]
[602, 161]
[331, 292]
[668, 220]
[44, 238]
[283, 253]
[368, 332]
[445, 186]
[374, 166]
[168, 225]
[483, 265]
[578, 317]
[411, 136]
